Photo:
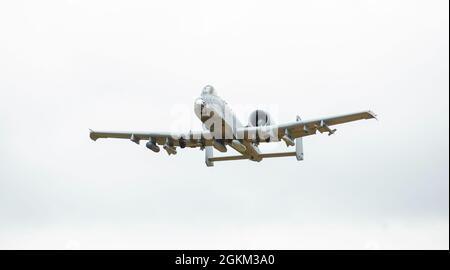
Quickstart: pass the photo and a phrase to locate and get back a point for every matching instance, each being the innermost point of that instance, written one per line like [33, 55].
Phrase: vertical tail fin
[299, 145]
[209, 154]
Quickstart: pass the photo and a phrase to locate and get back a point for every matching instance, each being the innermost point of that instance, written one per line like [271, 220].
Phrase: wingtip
[92, 135]
[371, 113]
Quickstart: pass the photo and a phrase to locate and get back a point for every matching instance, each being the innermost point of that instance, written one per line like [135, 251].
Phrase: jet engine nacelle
[259, 118]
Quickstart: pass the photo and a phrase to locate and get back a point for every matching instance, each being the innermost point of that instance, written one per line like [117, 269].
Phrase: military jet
[221, 129]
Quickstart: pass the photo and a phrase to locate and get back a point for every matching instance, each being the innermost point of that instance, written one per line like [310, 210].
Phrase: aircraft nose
[199, 104]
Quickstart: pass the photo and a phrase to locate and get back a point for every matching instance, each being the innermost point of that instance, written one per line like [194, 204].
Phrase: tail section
[208, 156]
[299, 145]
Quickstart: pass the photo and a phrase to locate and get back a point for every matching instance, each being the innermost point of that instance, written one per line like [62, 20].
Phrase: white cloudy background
[66, 66]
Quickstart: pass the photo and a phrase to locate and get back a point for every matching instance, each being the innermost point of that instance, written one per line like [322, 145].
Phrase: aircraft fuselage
[221, 121]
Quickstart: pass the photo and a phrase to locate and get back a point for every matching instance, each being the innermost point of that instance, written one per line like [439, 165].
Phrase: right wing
[301, 128]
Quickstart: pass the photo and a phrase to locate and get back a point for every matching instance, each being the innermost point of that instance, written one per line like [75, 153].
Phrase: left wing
[300, 128]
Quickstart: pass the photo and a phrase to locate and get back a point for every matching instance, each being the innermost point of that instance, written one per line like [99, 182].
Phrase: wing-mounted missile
[201, 143]
[238, 146]
[287, 138]
[323, 127]
[171, 150]
[134, 139]
[169, 147]
[220, 146]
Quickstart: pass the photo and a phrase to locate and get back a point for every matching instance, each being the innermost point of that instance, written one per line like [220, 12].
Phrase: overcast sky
[67, 66]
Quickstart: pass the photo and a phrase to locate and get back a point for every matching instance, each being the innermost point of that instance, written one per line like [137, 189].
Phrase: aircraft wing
[201, 139]
[191, 139]
[302, 128]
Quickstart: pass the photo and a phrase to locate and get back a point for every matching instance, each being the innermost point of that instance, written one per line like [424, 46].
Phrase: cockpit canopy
[209, 90]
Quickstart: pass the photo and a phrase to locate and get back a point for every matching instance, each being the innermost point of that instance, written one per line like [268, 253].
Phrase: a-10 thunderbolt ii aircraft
[222, 129]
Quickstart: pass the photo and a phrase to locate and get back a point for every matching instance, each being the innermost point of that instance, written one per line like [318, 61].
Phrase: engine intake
[259, 118]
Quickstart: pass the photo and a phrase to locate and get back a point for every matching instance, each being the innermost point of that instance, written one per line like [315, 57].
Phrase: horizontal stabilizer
[268, 155]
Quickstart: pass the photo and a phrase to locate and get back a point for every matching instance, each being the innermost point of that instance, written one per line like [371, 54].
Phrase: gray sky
[66, 66]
